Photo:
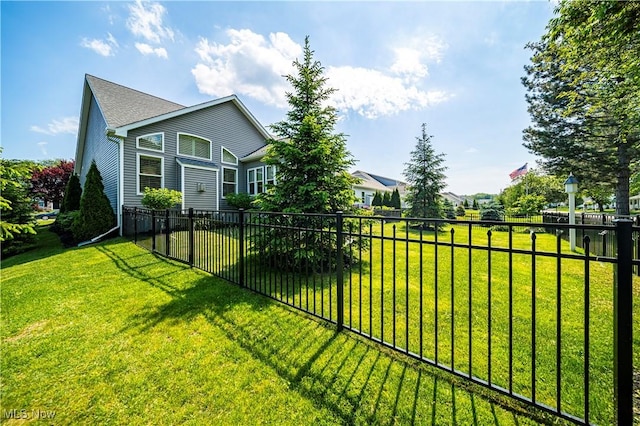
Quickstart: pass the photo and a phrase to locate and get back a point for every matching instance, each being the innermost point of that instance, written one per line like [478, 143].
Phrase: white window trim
[275, 175]
[254, 170]
[150, 149]
[138, 155]
[193, 156]
[222, 182]
[222, 150]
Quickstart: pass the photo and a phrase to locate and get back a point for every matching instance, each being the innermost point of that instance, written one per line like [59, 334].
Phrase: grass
[112, 334]
[469, 312]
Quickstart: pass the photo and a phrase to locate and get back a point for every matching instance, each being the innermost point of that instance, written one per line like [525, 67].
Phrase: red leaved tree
[50, 182]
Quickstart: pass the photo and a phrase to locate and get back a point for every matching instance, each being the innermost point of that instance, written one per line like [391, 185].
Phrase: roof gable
[121, 105]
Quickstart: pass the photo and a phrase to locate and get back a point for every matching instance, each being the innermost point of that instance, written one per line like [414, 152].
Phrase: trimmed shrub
[161, 198]
[460, 211]
[95, 215]
[241, 200]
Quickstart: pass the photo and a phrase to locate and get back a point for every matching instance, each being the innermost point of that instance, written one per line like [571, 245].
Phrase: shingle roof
[366, 181]
[191, 162]
[121, 105]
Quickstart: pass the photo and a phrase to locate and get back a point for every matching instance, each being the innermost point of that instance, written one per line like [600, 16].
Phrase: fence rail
[505, 305]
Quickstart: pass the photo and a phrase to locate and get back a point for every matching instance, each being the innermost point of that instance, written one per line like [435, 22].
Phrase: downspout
[119, 140]
[99, 237]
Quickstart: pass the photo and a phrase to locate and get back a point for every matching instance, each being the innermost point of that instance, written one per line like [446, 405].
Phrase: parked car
[46, 215]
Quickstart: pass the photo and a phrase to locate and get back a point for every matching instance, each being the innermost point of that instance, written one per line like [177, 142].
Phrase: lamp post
[571, 187]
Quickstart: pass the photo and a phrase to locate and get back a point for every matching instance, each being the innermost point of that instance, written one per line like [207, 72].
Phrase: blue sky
[455, 66]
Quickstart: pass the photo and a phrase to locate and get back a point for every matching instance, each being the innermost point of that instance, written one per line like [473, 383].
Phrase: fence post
[339, 272]
[153, 230]
[135, 225]
[623, 324]
[191, 236]
[241, 246]
[167, 240]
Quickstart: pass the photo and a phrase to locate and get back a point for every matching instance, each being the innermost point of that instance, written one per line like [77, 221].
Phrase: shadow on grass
[47, 244]
[357, 380]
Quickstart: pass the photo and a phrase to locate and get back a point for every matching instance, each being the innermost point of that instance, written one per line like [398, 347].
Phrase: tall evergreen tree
[377, 199]
[583, 88]
[96, 215]
[312, 160]
[425, 175]
[386, 199]
[395, 199]
[72, 195]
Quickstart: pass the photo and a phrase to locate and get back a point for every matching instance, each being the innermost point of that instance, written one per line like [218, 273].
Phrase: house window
[228, 157]
[194, 146]
[259, 178]
[271, 175]
[153, 142]
[149, 172]
[229, 181]
[255, 180]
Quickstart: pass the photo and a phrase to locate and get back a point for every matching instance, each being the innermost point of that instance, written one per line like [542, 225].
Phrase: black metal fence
[505, 305]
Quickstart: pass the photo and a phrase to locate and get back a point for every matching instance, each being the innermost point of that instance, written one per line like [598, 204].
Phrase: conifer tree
[377, 199]
[72, 195]
[425, 175]
[395, 199]
[96, 215]
[386, 199]
[312, 160]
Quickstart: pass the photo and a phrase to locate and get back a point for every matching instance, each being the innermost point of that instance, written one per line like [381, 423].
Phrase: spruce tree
[312, 160]
[72, 195]
[425, 175]
[313, 176]
[96, 215]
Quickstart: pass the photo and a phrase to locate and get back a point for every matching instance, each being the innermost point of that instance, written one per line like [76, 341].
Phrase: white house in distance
[370, 184]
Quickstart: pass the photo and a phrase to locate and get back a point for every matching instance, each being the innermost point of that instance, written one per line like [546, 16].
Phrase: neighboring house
[137, 140]
[369, 184]
[455, 199]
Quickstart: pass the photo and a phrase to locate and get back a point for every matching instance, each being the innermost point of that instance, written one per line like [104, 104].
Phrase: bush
[63, 226]
[95, 216]
[241, 200]
[460, 211]
[492, 211]
[449, 213]
[161, 198]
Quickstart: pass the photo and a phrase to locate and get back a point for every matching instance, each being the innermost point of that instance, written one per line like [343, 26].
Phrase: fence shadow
[358, 381]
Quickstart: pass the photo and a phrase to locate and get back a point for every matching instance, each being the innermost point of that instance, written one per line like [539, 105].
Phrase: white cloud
[101, 47]
[372, 94]
[146, 20]
[249, 64]
[43, 147]
[65, 125]
[471, 150]
[146, 49]
[254, 66]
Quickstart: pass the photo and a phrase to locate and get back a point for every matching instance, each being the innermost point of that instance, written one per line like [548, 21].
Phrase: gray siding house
[137, 140]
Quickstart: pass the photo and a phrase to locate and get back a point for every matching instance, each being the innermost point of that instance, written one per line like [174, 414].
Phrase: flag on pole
[519, 172]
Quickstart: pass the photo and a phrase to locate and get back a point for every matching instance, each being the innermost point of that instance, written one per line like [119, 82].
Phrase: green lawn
[386, 276]
[111, 334]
